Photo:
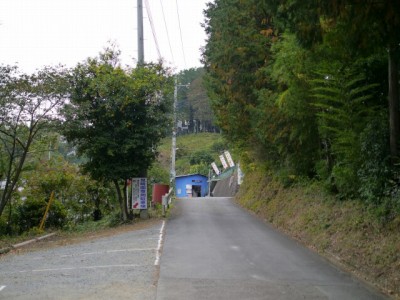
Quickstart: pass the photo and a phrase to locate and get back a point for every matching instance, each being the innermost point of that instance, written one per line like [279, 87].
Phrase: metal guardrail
[166, 201]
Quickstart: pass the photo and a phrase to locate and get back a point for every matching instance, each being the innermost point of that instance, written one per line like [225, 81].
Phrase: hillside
[194, 152]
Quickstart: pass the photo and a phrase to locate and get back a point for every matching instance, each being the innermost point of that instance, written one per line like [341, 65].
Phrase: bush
[201, 158]
[218, 146]
[374, 172]
[31, 212]
[345, 180]
[3, 227]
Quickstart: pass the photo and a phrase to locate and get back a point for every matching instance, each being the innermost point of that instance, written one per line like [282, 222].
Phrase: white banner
[216, 170]
[223, 161]
[229, 158]
[139, 193]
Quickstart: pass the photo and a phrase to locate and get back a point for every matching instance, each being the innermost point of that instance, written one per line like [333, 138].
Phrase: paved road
[215, 250]
[117, 267]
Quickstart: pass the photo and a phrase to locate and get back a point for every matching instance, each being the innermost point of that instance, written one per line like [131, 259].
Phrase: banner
[139, 193]
[223, 161]
[229, 158]
[216, 170]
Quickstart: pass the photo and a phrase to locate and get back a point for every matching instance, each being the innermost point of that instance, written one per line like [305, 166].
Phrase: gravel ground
[116, 263]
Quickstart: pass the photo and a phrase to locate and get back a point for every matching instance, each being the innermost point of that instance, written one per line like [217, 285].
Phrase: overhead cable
[153, 29]
[166, 29]
[180, 30]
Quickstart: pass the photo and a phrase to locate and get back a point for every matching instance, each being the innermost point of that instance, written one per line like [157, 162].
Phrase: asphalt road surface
[215, 250]
[122, 266]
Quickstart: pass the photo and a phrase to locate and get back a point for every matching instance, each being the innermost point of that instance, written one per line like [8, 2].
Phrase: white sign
[229, 158]
[223, 161]
[214, 166]
[139, 193]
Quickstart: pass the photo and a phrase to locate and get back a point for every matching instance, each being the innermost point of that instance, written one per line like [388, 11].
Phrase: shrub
[31, 212]
[374, 172]
[201, 158]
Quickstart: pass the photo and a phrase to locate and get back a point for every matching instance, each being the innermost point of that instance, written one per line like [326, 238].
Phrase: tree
[200, 104]
[117, 117]
[193, 103]
[369, 25]
[240, 34]
[28, 106]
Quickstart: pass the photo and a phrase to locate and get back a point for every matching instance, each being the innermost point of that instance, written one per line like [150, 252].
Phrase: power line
[166, 29]
[180, 30]
[152, 28]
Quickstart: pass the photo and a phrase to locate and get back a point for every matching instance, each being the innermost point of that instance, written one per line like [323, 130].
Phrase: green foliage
[342, 99]
[199, 147]
[299, 88]
[201, 157]
[117, 117]
[375, 172]
[218, 146]
[31, 212]
[28, 106]
[158, 174]
[239, 35]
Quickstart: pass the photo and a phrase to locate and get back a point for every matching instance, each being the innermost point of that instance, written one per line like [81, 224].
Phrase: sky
[36, 33]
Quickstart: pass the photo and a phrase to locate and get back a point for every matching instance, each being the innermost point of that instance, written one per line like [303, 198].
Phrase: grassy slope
[345, 232]
[187, 145]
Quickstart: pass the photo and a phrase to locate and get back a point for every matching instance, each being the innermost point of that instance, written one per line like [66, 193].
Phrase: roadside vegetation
[195, 152]
[358, 237]
[307, 92]
[71, 138]
[81, 133]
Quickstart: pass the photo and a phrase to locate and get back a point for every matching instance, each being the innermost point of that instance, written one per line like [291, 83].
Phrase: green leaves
[117, 116]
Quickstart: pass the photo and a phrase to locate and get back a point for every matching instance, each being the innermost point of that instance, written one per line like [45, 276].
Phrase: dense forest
[309, 90]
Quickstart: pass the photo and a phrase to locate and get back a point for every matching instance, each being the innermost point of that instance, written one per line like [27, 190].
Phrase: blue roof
[189, 175]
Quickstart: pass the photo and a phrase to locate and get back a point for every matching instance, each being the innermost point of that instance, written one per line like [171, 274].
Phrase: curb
[19, 245]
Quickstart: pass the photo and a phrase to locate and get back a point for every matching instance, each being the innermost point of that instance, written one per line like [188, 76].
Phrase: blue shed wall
[196, 179]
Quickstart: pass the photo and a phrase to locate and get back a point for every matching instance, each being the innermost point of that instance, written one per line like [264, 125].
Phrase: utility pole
[174, 129]
[140, 32]
[143, 212]
[173, 150]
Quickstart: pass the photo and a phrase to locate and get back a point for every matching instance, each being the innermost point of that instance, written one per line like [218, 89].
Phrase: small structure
[192, 185]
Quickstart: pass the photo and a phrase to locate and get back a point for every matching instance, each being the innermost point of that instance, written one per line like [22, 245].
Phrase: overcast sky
[34, 33]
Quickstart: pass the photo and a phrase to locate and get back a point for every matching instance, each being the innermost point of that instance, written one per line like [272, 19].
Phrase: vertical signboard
[215, 168]
[229, 158]
[139, 193]
[223, 161]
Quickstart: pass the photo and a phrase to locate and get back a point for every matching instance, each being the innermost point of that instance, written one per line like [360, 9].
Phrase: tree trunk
[393, 96]
[122, 202]
[14, 175]
[128, 204]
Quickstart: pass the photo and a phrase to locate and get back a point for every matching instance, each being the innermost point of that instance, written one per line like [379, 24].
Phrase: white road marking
[2, 287]
[109, 251]
[160, 241]
[79, 268]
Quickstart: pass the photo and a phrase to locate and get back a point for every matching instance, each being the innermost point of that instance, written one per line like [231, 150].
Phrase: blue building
[192, 185]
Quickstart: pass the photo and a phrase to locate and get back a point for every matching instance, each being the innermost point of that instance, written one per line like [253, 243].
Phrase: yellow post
[47, 210]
